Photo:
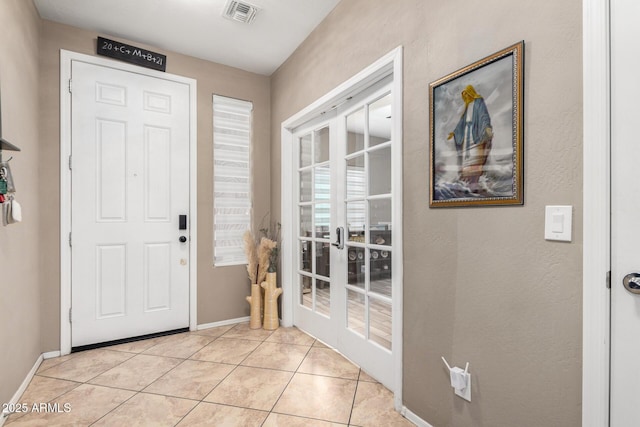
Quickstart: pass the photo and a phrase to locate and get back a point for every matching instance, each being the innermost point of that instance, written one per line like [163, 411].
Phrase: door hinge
[70, 240]
[69, 315]
[608, 279]
[69, 85]
[70, 163]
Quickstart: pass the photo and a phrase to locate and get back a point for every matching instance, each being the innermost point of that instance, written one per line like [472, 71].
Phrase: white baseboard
[51, 354]
[414, 418]
[18, 394]
[223, 323]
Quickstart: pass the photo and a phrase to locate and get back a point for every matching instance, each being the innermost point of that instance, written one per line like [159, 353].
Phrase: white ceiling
[197, 28]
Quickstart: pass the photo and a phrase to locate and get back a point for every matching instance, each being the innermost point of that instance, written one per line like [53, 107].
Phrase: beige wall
[19, 255]
[481, 285]
[221, 290]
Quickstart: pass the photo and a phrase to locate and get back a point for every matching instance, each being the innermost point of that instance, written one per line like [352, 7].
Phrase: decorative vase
[271, 294]
[255, 301]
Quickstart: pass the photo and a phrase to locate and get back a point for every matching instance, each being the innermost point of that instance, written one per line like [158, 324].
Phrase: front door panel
[130, 183]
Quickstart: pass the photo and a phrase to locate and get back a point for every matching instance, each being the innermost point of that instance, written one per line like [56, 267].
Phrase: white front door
[344, 230]
[130, 184]
[625, 211]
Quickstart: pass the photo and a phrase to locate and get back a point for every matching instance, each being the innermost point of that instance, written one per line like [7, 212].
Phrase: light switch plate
[558, 221]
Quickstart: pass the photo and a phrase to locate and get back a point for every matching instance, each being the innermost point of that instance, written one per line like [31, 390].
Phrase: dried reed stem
[252, 256]
[264, 252]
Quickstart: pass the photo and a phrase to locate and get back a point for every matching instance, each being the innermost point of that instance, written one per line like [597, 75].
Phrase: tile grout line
[158, 394]
[206, 394]
[78, 384]
[135, 392]
[233, 370]
[355, 393]
[117, 406]
[235, 366]
[201, 401]
[288, 382]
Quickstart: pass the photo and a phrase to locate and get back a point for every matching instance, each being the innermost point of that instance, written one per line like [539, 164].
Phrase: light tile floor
[226, 376]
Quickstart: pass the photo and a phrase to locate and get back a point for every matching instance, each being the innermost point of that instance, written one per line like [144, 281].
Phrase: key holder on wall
[6, 180]
[4, 144]
[11, 212]
[5, 170]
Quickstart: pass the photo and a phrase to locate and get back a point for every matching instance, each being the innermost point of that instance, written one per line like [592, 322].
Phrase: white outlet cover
[557, 223]
[465, 393]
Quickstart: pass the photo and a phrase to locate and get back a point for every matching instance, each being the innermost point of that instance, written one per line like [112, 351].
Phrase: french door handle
[632, 282]
[340, 243]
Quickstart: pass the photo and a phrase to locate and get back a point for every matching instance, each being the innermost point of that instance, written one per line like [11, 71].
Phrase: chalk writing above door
[131, 54]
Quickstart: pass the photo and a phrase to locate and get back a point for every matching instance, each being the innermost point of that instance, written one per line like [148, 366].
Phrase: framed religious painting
[476, 133]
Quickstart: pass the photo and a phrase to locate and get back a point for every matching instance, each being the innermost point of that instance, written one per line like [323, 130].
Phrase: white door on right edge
[625, 214]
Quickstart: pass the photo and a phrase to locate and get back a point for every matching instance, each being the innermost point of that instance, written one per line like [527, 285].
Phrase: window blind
[231, 178]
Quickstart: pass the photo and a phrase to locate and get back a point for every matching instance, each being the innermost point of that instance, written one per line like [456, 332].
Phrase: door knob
[632, 282]
[340, 243]
[182, 239]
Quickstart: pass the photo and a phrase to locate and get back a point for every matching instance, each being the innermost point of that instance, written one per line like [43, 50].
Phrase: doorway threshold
[127, 340]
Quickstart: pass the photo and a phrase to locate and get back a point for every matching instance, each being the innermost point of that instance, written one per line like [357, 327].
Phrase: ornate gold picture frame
[476, 133]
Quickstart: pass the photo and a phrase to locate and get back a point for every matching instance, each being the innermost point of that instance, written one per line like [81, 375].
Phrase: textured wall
[221, 290]
[19, 255]
[481, 285]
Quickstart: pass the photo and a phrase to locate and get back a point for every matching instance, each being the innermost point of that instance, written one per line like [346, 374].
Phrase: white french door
[365, 210]
[130, 180]
[316, 221]
[344, 221]
[625, 205]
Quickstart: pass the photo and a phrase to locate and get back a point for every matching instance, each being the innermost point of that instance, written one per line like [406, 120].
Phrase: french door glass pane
[356, 266]
[355, 131]
[323, 260]
[323, 218]
[306, 189]
[355, 178]
[321, 145]
[355, 311]
[305, 256]
[323, 300]
[306, 291]
[305, 150]
[380, 272]
[380, 171]
[322, 183]
[380, 322]
[380, 121]
[356, 221]
[305, 221]
[380, 221]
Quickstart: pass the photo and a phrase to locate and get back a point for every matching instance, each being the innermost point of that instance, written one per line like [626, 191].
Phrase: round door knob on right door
[632, 282]
[182, 239]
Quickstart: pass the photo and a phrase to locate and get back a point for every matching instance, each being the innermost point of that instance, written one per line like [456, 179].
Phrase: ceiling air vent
[239, 11]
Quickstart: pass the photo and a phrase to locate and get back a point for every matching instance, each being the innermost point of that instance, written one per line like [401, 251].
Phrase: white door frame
[66, 57]
[390, 63]
[596, 213]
